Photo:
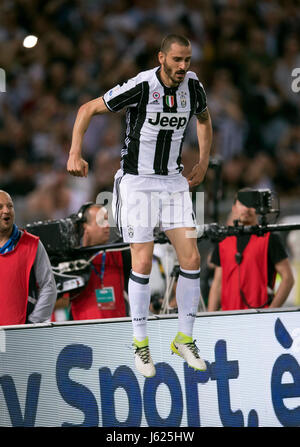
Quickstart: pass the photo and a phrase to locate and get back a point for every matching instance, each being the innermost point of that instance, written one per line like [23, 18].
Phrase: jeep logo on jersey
[168, 120]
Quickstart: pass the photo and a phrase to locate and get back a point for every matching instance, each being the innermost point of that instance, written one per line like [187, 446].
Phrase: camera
[260, 199]
[60, 237]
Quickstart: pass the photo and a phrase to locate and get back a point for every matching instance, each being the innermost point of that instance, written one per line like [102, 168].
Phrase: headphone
[81, 212]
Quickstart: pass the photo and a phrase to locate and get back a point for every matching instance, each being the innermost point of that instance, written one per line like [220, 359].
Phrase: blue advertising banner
[83, 374]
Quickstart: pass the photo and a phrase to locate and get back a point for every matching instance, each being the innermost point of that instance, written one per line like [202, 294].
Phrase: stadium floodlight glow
[30, 41]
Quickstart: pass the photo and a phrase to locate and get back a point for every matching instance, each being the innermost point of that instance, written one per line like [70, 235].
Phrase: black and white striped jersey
[156, 120]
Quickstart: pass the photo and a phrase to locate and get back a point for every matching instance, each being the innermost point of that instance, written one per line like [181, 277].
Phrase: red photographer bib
[251, 276]
[103, 295]
[15, 267]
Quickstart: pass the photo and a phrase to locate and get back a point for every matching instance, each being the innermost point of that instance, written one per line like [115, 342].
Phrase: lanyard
[102, 269]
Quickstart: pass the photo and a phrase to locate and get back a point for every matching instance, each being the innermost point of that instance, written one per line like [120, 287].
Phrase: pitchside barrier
[82, 373]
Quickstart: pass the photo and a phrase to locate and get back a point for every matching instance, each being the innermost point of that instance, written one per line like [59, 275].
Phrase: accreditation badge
[105, 298]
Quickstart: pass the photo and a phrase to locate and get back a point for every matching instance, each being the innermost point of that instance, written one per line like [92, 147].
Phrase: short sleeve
[276, 249]
[197, 93]
[200, 98]
[215, 257]
[125, 95]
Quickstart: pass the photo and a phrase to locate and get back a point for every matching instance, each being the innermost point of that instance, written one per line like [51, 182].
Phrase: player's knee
[141, 258]
[191, 262]
[142, 266]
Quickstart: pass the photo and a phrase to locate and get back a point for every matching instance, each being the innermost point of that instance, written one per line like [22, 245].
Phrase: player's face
[245, 215]
[175, 63]
[7, 213]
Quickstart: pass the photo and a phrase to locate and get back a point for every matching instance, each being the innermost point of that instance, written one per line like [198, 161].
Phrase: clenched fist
[77, 166]
[197, 175]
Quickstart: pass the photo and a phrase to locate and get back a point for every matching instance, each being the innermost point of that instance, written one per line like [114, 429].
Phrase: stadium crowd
[244, 52]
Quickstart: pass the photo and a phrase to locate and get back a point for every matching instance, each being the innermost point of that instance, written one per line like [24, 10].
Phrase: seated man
[103, 296]
[23, 262]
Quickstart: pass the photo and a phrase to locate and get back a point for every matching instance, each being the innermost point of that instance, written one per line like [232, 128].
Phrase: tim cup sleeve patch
[126, 95]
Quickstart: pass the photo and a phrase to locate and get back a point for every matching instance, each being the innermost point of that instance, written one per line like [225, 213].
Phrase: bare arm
[287, 281]
[214, 298]
[76, 165]
[204, 134]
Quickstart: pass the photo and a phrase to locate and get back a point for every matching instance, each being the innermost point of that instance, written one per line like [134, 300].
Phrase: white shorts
[142, 203]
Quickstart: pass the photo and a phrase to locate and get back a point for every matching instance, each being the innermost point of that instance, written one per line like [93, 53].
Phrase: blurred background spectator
[244, 52]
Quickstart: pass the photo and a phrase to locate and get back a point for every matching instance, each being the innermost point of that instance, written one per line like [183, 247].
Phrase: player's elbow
[86, 110]
[94, 107]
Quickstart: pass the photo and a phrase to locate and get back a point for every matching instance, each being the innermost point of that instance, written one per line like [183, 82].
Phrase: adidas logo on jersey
[168, 120]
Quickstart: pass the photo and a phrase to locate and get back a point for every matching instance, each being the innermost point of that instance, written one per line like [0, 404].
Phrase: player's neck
[166, 80]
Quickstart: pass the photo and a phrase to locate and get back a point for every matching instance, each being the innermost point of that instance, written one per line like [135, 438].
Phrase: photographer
[24, 270]
[103, 296]
[246, 267]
